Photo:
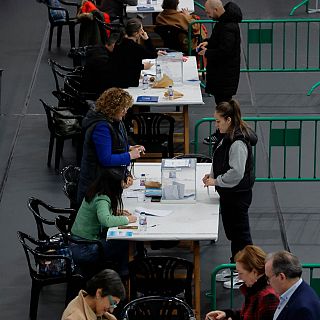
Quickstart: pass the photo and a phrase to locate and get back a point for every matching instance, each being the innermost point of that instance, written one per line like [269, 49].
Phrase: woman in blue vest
[105, 139]
[232, 173]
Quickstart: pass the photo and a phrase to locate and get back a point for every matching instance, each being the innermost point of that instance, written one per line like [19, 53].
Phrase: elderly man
[222, 51]
[297, 298]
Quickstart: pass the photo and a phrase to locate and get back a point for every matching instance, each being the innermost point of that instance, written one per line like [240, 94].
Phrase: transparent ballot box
[171, 64]
[178, 180]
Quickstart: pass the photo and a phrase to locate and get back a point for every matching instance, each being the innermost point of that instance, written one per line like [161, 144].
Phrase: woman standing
[232, 173]
[105, 143]
[261, 301]
[103, 292]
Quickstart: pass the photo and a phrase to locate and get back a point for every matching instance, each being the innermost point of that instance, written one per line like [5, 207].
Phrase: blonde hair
[251, 257]
[113, 101]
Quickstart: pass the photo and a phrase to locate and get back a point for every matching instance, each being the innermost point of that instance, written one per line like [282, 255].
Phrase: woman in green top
[101, 209]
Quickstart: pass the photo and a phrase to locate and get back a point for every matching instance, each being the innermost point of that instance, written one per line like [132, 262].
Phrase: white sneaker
[225, 275]
[237, 283]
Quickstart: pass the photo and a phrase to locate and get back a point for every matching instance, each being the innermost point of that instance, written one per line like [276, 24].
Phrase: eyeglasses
[113, 304]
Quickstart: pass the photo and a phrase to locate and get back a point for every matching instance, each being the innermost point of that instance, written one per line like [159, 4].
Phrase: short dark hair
[170, 4]
[286, 263]
[132, 26]
[109, 282]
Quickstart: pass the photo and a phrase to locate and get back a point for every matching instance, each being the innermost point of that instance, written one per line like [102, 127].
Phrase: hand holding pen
[208, 180]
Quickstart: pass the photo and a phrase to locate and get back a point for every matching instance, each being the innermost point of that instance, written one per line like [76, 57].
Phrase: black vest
[90, 166]
[220, 161]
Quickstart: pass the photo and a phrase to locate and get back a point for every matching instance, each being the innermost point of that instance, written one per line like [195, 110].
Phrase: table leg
[197, 285]
[186, 129]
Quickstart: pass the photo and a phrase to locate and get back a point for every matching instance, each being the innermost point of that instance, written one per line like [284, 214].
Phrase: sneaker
[210, 139]
[225, 275]
[237, 283]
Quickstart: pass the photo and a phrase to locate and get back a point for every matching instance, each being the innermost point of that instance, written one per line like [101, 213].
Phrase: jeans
[85, 255]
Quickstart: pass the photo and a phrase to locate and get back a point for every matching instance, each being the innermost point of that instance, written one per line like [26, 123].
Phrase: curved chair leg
[50, 36]
[34, 300]
[59, 151]
[72, 35]
[51, 143]
[59, 33]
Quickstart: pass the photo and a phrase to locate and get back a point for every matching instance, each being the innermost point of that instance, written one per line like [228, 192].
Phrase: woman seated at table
[128, 55]
[261, 301]
[101, 209]
[170, 16]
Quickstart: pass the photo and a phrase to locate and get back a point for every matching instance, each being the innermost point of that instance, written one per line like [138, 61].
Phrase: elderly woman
[105, 143]
[103, 292]
[261, 300]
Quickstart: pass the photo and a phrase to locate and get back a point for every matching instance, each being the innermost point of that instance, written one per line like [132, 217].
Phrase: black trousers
[234, 213]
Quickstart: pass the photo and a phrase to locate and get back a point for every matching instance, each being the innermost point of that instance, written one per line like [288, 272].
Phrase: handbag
[66, 125]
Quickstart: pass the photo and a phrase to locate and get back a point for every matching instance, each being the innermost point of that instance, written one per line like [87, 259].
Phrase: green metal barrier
[280, 45]
[284, 149]
[308, 275]
[302, 3]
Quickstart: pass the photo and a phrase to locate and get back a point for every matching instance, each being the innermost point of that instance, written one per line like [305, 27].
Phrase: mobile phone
[155, 199]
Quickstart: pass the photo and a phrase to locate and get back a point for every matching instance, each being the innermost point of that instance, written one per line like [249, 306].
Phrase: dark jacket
[97, 74]
[127, 62]
[223, 53]
[220, 158]
[260, 303]
[304, 304]
[90, 166]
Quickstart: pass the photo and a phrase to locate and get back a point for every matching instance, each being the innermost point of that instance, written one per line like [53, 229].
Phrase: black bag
[54, 267]
[66, 126]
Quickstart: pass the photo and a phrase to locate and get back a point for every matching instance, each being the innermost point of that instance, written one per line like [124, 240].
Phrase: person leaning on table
[128, 54]
[105, 144]
[298, 301]
[261, 300]
[103, 292]
[232, 173]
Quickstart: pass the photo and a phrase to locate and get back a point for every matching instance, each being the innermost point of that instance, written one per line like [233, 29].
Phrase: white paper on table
[131, 194]
[153, 212]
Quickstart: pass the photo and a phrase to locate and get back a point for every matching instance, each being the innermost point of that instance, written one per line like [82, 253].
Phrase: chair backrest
[161, 275]
[70, 173]
[157, 308]
[173, 37]
[153, 130]
[56, 12]
[201, 158]
[41, 211]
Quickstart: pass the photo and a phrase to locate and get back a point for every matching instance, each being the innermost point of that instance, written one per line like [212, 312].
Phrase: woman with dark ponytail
[232, 173]
[128, 55]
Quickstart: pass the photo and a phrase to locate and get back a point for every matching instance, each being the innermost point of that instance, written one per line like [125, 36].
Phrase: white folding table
[144, 7]
[190, 87]
[192, 221]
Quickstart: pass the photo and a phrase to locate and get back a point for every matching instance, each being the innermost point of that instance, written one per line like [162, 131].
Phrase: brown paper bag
[176, 94]
[164, 82]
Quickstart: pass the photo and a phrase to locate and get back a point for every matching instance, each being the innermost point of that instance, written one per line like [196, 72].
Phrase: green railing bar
[302, 3]
[315, 148]
[308, 41]
[285, 150]
[272, 24]
[286, 179]
[284, 46]
[299, 173]
[199, 5]
[270, 153]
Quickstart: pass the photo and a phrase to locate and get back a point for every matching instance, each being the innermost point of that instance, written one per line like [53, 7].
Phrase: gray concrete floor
[24, 142]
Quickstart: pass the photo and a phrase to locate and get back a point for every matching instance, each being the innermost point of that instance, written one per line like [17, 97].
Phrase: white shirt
[284, 298]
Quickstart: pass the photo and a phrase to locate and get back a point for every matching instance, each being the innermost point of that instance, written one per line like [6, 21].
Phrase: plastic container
[142, 179]
[170, 93]
[145, 82]
[158, 72]
[143, 224]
